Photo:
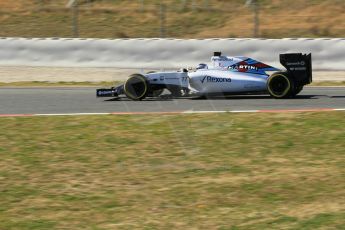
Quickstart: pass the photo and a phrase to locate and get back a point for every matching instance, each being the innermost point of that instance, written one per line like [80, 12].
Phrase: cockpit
[202, 66]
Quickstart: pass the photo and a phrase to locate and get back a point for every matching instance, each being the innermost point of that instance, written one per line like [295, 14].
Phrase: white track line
[177, 112]
[196, 112]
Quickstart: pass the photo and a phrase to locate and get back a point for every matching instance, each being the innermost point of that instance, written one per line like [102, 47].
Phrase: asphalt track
[83, 100]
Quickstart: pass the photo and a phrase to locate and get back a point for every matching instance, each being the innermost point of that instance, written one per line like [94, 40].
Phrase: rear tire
[136, 87]
[280, 85]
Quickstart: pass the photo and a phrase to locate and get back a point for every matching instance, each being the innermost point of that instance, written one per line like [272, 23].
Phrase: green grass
[215, 171]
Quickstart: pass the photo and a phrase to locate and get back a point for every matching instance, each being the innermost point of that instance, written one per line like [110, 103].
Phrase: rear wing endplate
[299, 66]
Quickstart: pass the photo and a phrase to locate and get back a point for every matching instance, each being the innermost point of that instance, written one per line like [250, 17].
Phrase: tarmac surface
[83, 100]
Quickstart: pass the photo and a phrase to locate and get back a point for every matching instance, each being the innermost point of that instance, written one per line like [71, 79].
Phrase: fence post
[256, 18]
[73, 5]
[183, 4]
[75, 10]
[194, 5]
[142, 5]
[162, 20]
[206, 4]
[255, 5]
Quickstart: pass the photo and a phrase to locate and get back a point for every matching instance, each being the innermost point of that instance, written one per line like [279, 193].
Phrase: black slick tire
[280, 85]
[136, 87]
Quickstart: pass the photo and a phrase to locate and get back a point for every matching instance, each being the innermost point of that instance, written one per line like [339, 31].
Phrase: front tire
[280, 85]
[136, 87]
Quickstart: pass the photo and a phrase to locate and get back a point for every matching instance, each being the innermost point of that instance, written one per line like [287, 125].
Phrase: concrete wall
[328, 54]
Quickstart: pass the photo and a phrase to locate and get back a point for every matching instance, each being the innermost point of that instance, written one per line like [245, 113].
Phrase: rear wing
[299, 66]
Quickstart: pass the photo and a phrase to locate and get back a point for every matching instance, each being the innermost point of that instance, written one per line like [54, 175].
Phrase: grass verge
[215, 171]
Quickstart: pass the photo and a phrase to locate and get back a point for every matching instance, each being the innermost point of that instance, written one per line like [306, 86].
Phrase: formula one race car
[226, 75]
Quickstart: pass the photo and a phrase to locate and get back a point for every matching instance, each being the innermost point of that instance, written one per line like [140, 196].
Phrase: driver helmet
[202, 66]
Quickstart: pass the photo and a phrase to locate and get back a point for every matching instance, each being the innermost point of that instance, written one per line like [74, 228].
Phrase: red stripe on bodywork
[261, 65]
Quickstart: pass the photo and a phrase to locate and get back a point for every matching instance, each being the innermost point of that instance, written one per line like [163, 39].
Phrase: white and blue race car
[226, 75]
